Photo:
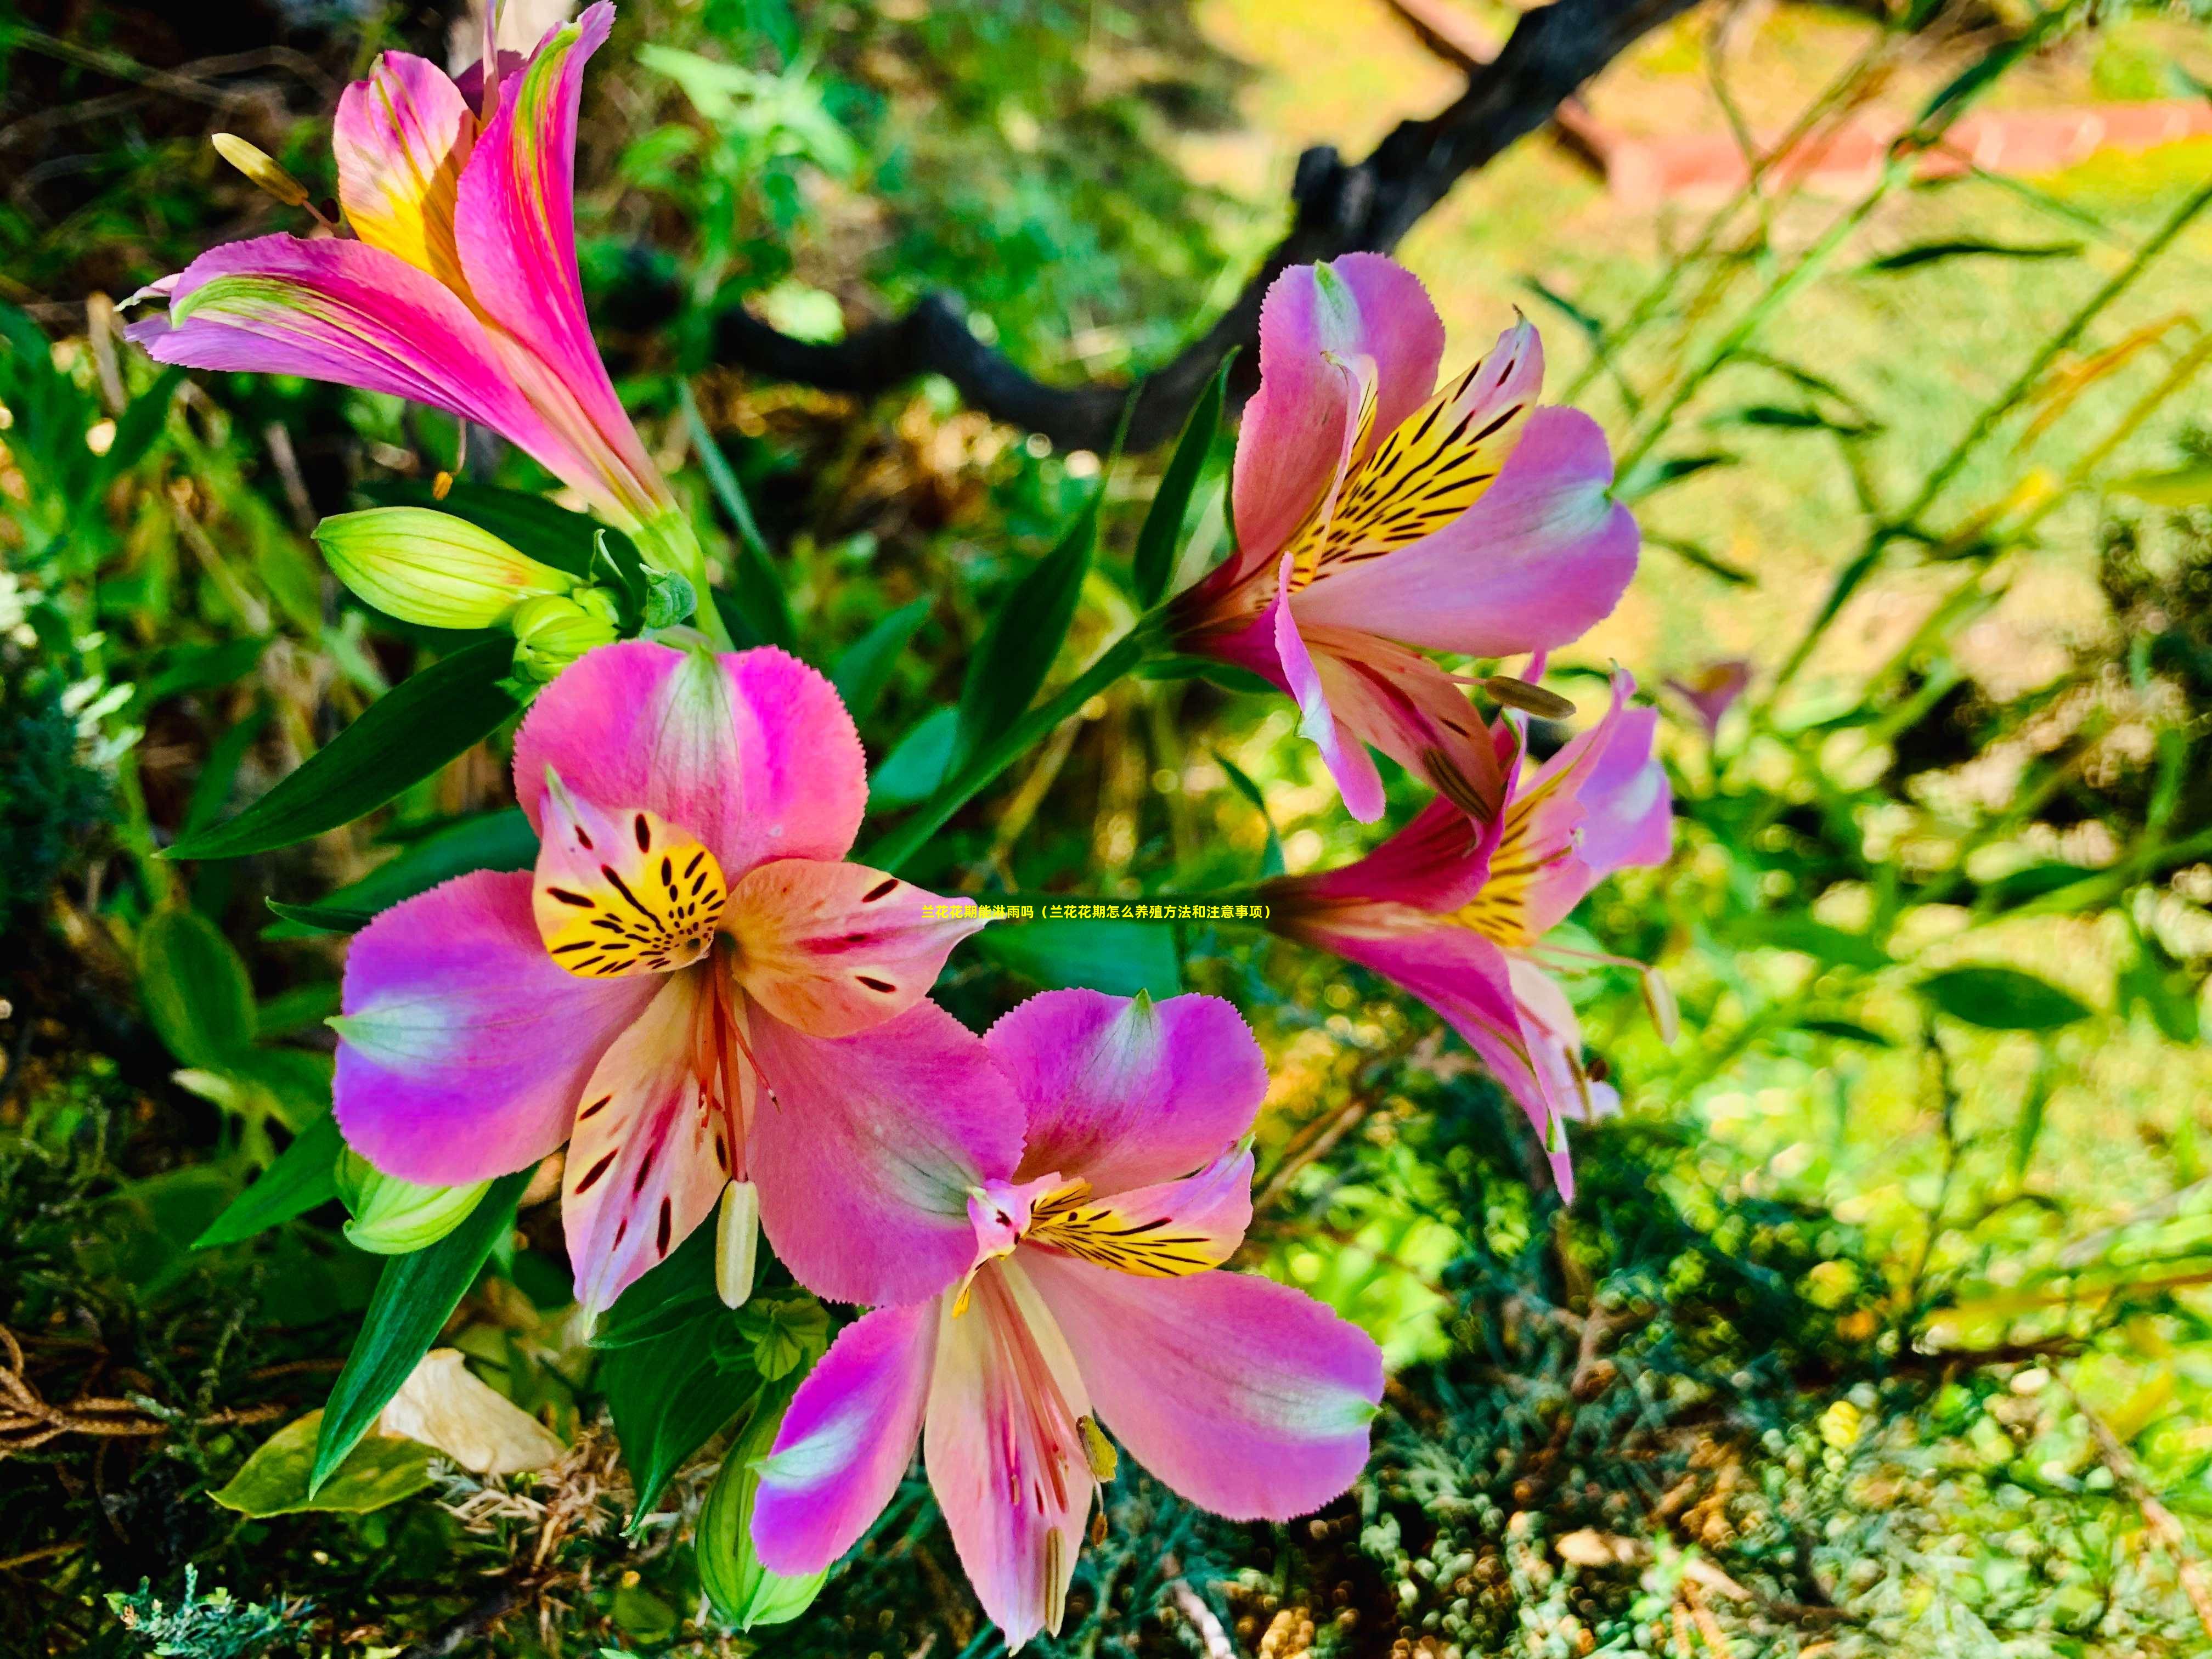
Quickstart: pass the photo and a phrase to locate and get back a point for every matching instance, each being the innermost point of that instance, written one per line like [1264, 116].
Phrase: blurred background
[1880, 1324]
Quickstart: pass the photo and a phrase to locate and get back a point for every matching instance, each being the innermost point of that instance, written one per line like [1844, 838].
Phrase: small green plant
[216, 1626]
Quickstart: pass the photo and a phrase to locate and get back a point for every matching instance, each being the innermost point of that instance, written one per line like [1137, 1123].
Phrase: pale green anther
[433, 568]
[392, 1217]
[551, 632]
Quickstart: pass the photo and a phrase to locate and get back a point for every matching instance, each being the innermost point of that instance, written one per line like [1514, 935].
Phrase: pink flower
[1379, 517]
[1094, 1301]
[691, 989]
[1712, 690]
[1456, 913]
[461, 292]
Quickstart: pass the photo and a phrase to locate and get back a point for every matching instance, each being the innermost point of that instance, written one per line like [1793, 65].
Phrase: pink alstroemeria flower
[691, 988]
[1456, 913]
[461, 291]
[1379, 516]
[1095, 1301]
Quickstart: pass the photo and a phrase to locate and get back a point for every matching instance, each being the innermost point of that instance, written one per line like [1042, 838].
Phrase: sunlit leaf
[380, 1469]
[1162, 534]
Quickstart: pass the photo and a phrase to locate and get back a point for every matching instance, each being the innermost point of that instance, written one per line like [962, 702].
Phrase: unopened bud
[551, 632]
[392, 1217]
[431, 567]
[256, 165]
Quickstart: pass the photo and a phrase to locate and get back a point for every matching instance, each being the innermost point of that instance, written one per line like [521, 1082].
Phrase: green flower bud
[551, 632]
[392, 1217]
[433, 568]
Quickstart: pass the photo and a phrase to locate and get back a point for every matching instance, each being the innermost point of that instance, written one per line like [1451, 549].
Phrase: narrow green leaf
[2180, 486]
[488, 841]
[670, 1396]
[1965, 248]
[194, 988]
[756, 596]
[1270, 861]
[137, 431]
[1705, 558]
[2002, 998]
[1119, 957]
[1226, 675]
[404, 736]
[416, 1295]
[864, 667]
[918, 763]
[1651, 476]
[1845, 1031]
[1161, 533]
[1024, 635]
[380, 1470]
[298, 1008]
[295, 1183]
[743, 1591]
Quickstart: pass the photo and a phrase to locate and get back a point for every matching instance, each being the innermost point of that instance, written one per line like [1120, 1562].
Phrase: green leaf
[1845, 1031]
[545, 530]
[1226, 675]
[1119, 957]
[1783, 417]
[140, 426]
[295, 1082]
[756, 605]
[299, 1179]
[1270, 861]
[918, 763]
[1649, 476]
[744, 1592]
[2001, 999]
[298, 1009]
[671, 1394]
[1965, 247]
[416, 1295]
[1161, 533]
[404, 736]
[489, 840]
[1783, 931]
[380, 1470]
[1705, 558]
[2180, 486]
[1024, 635]
[194, 989]
[864, 667]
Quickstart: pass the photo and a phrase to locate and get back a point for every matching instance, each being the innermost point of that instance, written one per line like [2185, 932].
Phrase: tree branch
[1337, 208]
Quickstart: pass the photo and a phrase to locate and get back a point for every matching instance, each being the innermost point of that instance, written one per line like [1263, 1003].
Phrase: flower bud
[551, 632]
[392, 1217]
[256, 164]
[433, 568]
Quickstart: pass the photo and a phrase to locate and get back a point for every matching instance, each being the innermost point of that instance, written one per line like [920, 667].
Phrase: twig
[1337, 208]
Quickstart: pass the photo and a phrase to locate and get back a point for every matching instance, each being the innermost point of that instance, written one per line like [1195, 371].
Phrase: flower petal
[402, 138]
[622, 892]
[749, 751]
[515, 222]
[1125, 1093]
[1599, 805]
[1341, 748]
[832, 949]
[1385, 694]
[1166, 1230]
[845, 1440]
[345, 312]
[1248, 1398]
[1003, 1441]
[1439, 861]
[651, 1151]
[1541, 557]
[865, 1148]
[1314, 321]
[465, 1050]
[1439, 460]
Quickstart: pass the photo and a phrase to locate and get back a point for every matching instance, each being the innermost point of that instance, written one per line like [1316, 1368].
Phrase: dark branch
[1338, 207]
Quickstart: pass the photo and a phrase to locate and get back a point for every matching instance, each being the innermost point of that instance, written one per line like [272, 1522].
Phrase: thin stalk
[891, 852]
[1849, 579]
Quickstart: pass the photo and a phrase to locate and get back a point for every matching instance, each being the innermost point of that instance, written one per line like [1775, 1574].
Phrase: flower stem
[893, 851]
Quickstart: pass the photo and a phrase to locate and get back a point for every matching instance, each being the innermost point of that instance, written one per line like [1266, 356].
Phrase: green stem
[893, 851]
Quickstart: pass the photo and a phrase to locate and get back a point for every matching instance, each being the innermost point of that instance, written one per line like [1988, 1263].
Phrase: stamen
[258, 167]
